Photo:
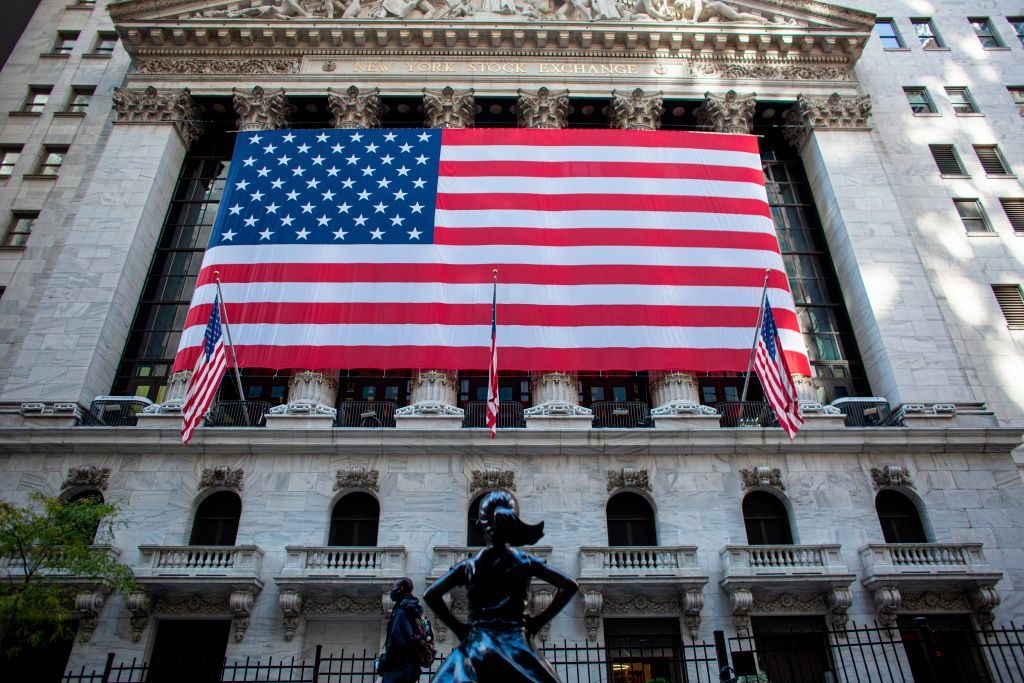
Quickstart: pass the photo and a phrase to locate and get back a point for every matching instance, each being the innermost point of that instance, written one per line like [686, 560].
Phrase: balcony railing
[447, 556]
[621, 414]
[117, 411]
[866, 412]
[367, 414]
[781, 560]
[636, 561]
[16, 566]
[510, 415]
[923, 558]
[387, 561]
[238, 414]
[199, 560]
[746, 414]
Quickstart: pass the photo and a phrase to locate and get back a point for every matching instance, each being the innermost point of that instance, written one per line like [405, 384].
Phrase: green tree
[48, 549]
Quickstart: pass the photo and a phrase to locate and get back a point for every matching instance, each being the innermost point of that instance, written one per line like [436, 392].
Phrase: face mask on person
[395, 594]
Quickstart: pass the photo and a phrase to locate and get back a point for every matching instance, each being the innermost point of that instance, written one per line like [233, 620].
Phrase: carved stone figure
[402, 9]
[283, 9]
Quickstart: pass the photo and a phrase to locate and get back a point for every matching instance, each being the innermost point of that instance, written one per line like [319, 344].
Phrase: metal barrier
[746, 414]
[367, 414]
[238, 414]
[116, 411]
[870, 412]
[621, 414]
[510, 415]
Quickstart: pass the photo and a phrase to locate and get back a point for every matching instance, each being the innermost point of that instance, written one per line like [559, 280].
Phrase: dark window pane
[630, 521]
[766, 519]
[899, 518]
[216, 521]
[354, 520]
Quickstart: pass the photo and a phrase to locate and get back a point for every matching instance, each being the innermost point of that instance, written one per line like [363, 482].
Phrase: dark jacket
[400, 662]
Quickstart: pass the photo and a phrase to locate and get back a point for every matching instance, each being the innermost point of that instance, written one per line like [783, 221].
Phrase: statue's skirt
[496, 652]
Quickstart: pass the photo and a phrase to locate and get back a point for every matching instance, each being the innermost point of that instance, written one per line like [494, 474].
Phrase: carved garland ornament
[357, 477]
[91, 477]
[762, 476]
[891, 475]
[256, 67]
[771, 70]
[325, 606]
[492, 478]
[149, 106]
[629, 477]
[221, 477]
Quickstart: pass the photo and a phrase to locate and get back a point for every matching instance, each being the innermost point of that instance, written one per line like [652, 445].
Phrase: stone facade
[917, 287]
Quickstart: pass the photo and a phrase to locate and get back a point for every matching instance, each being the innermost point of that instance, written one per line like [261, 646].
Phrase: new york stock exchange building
[891, 138]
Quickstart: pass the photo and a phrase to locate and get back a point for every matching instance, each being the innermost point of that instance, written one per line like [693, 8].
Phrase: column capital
[152, 106]
[543, 109]
[835, 112]
[729, 113]
[260, 109]
[449, 108]
[354, 109]
[637, 110]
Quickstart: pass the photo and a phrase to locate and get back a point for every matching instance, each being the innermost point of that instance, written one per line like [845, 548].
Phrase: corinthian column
[543, 109]
[354, 109]
[260, 109]
[637, 110]
[449, 108]
[731, 113]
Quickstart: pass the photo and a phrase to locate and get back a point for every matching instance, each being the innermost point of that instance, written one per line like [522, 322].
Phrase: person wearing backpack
[409, 645]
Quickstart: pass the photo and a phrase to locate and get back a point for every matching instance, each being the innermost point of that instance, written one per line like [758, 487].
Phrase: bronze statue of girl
[497, 642]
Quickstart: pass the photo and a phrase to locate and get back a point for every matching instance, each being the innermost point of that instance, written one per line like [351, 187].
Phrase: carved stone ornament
[741, 601]
[788, 603]
[839, 601]
[637, 110]
[291, 610]
[357, 477]
[834, 112]
[762, 476]
[258, 109]
[191, 604]
[354, 109]
[543, 109]
[891, 475]
[242, 67]
[540, 601]
[593, 603]
[934, 601]
[772, 69]
[241, 603]
[693, 603]
[88, 605]
[149, 106]
[492, 478]
[629, 477]
[984, 599]
[343, 605]
[730, 113]
[449, 108]
[221, 477]
[91, 477]
[644, 605]
[887, 601]
[139, 606]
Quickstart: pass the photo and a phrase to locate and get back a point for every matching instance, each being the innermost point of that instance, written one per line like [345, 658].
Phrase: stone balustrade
[922, 558]
[199, 560]
[637, 561]
[373, 561]
[447, 556]
[784, 560]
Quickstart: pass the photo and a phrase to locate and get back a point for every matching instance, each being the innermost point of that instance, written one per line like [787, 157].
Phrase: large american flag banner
[618, 250]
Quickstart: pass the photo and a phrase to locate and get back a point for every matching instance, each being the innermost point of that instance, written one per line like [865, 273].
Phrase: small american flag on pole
[492, 368]
[771, 367]
[209, 370]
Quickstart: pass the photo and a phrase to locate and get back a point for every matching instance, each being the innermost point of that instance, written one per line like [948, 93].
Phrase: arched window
[766, 520]
[474, 537]
[630, 520]
[87, 494]
[354, 520]
[899, 518]
[216, 521]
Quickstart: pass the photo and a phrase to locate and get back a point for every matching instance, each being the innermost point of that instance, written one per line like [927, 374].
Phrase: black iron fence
[510, 415]
[367, 414]
[621, 414]
[746, 414]
[238, 414]
[867, 413]
[907, 653]
[115, 411]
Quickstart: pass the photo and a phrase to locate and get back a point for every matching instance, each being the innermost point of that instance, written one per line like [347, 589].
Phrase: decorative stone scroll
[540, 601]
[91, 477]
[260, 109]
[543, 109]
[629, 477]
[492, 478]
[88, 605]
[839, 601]
[637, 110]
[693, 603]
[887, 603]
[762, 476]
[357, 477]
[354, 109]
[890, 475]
[291, 611]
[730, 113]
[152, 106]
[240, 603]
[834, 112]
[139, 606]
[593, 602]
[221, 477]
[449, 108]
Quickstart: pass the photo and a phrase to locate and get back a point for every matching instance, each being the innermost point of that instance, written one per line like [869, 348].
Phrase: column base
[677, 422]
[160, 420]
[814, 421]
[574, 422]
[429, 415]
[300, 421]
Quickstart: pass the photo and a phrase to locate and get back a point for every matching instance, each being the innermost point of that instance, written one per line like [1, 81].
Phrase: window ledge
[955, 176]
[936, 49]
[929, 114]
[997, 49]
[986, 233]
[69, 114]
[25, 113]
[1001, 176]
[896, 49]
[77, 6]
[19, 248]
[39, 176]
[55, 55]
[971, 114]
[96, 55]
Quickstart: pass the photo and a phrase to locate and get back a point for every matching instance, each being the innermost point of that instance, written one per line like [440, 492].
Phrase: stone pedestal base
[819, 421]
[559, 422]
[686, 422]
[160, 420]
[428, 421]
[300, 421]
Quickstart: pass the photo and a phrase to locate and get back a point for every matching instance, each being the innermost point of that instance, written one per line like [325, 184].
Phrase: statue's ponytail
[500, 507]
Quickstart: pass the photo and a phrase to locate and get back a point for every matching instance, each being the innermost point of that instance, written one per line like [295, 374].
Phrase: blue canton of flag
[331, 187]
[213, 332]
[769, 332]
[776, 380]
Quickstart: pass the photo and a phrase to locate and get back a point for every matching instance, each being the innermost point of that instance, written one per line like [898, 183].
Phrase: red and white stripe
[202, 388]
[619, 250]
[779, 389]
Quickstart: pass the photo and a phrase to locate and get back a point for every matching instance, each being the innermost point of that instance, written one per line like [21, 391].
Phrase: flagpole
[492, 366]
[231, 345]
[757, 331]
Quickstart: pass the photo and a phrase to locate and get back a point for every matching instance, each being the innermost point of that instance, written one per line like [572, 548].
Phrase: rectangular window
[887, 33]
[927, 34]
[105, 43]
[947, 160]
[992, 160]
[961, 100]
[1011, 302]
[1018, 27]
[79, 100]
[38, 96]
[65, 42]
[985, 32]
[972, 215]
[19, 229]
[1017, 95]
[1014, 208]
[920, 101]
[51, 160]
[9, 155]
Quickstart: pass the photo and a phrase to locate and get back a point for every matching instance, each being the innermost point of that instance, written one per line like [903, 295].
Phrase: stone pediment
[714, 15]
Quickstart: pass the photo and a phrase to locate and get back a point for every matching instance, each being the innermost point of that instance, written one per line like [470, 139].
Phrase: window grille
[991, 160]
[1011, 302]
[1014, 208]
[947, 160]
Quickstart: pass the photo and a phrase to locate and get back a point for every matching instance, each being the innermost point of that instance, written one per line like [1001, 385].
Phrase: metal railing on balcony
[238, 414]
[621, 414]
[746, 414]
[367, 414]
[510, 415]
[116, 411]
[867, 412]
